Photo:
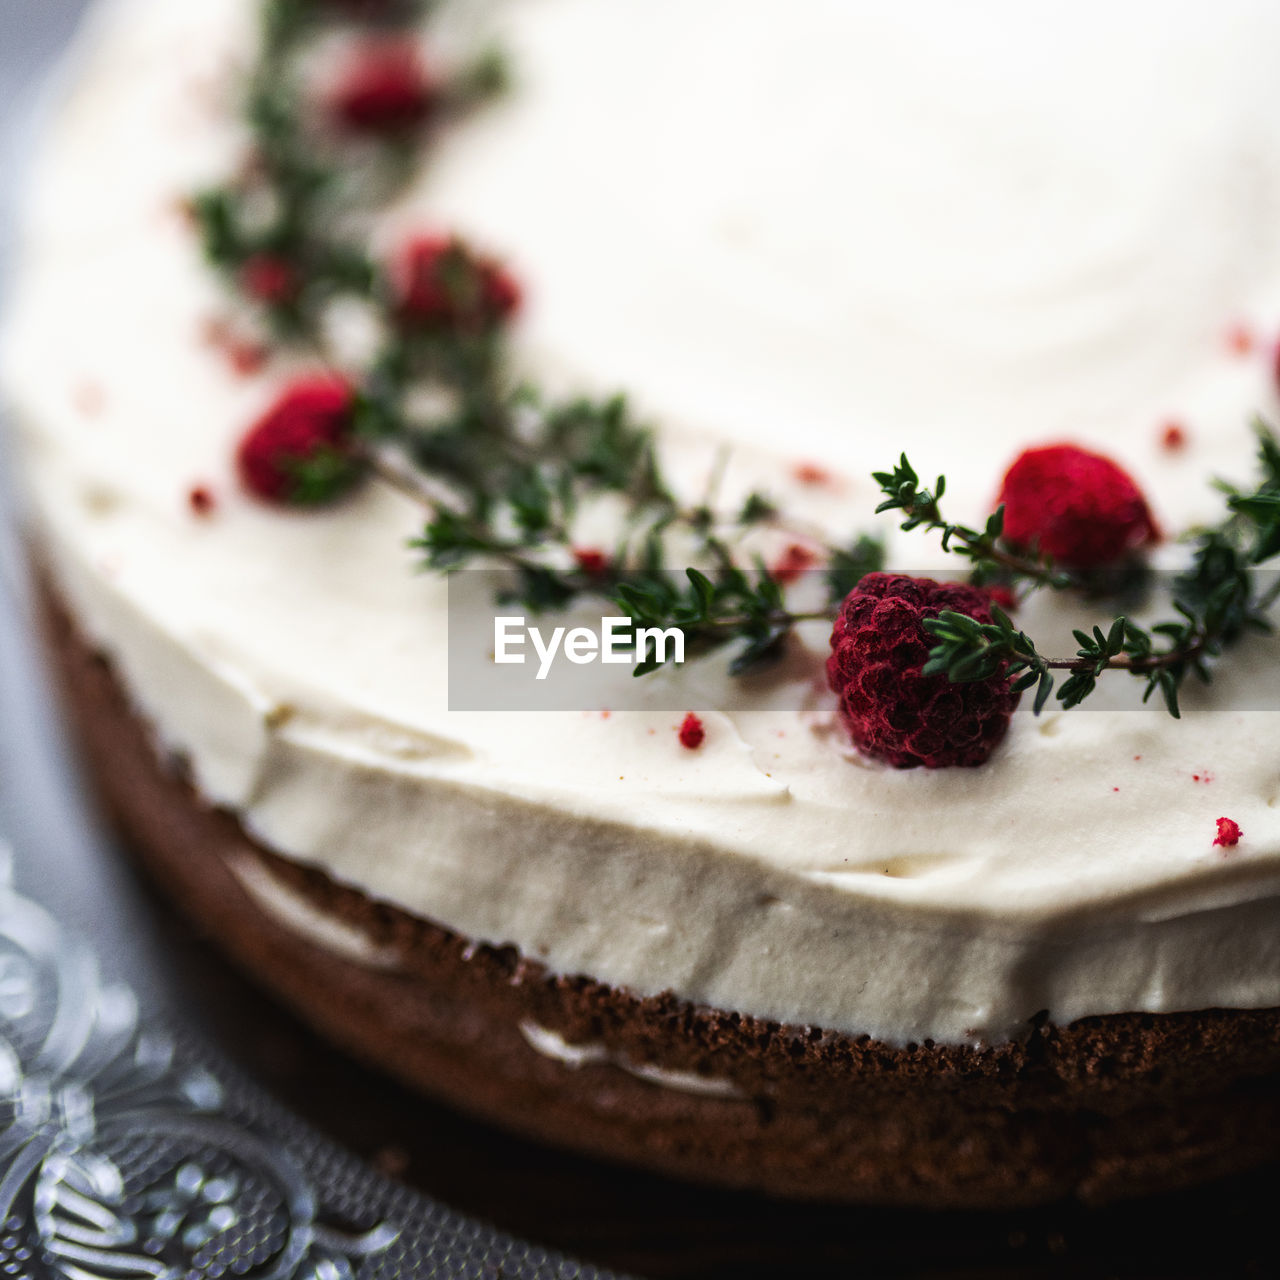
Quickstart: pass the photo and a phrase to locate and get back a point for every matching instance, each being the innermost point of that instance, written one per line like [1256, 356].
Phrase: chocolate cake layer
[1103, 1108]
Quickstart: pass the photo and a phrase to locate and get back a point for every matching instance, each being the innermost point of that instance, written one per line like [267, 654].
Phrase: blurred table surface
[67, 860]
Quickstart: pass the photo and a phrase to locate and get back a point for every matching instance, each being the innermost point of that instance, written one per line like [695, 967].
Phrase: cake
[709, 924]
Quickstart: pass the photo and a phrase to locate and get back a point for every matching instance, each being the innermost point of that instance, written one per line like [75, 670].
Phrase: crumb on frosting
[793, 563]
[591, 560]
[692, 734]
[90, 398]
[812, 473]
[1240, 339]
[1229, 833]
[201, 500]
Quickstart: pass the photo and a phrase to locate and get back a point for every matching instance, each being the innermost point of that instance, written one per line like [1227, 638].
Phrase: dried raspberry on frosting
[812, 473]
[1240, 340]
[1077, 507]
[440, 283]
[793, 563]
[384, 89]
[301, 451]
[1229, 833]
[591, 560]
[893, 712]
[692, 734]
[201, 500]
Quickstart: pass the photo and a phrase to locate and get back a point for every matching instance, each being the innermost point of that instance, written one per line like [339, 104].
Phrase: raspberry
[385, 89]
[269, 278]
[591, 561]
[692, 734]
[441, 284]
[892, 711]
[300, 452]
[1229, 833]
[1077, 507]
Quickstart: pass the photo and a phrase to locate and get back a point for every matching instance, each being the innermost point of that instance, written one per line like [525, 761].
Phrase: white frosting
[553, 1045]
[828, 232]
[299, 915]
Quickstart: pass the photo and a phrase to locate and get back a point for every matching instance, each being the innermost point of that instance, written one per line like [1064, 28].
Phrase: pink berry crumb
[1240, 339]
[201, 500]
[692, 733]
[1229, 833]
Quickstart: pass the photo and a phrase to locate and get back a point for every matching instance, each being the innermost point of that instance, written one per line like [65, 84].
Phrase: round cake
[824, 928]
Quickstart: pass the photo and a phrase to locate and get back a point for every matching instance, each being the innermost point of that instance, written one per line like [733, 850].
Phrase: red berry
[385, 89]
[1077, 507]
[269, 278]
[894, 712]
[793, 562]
[300, 452]
[1173, 437]
[1229, 833]
[692, 733]
[441, 284]
[501, 292]
[591, 561]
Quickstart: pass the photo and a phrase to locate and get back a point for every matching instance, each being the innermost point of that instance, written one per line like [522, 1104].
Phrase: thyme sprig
[292, 200]
[1216, 600]
[991, 559]
[501, 475]
[516, 505]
